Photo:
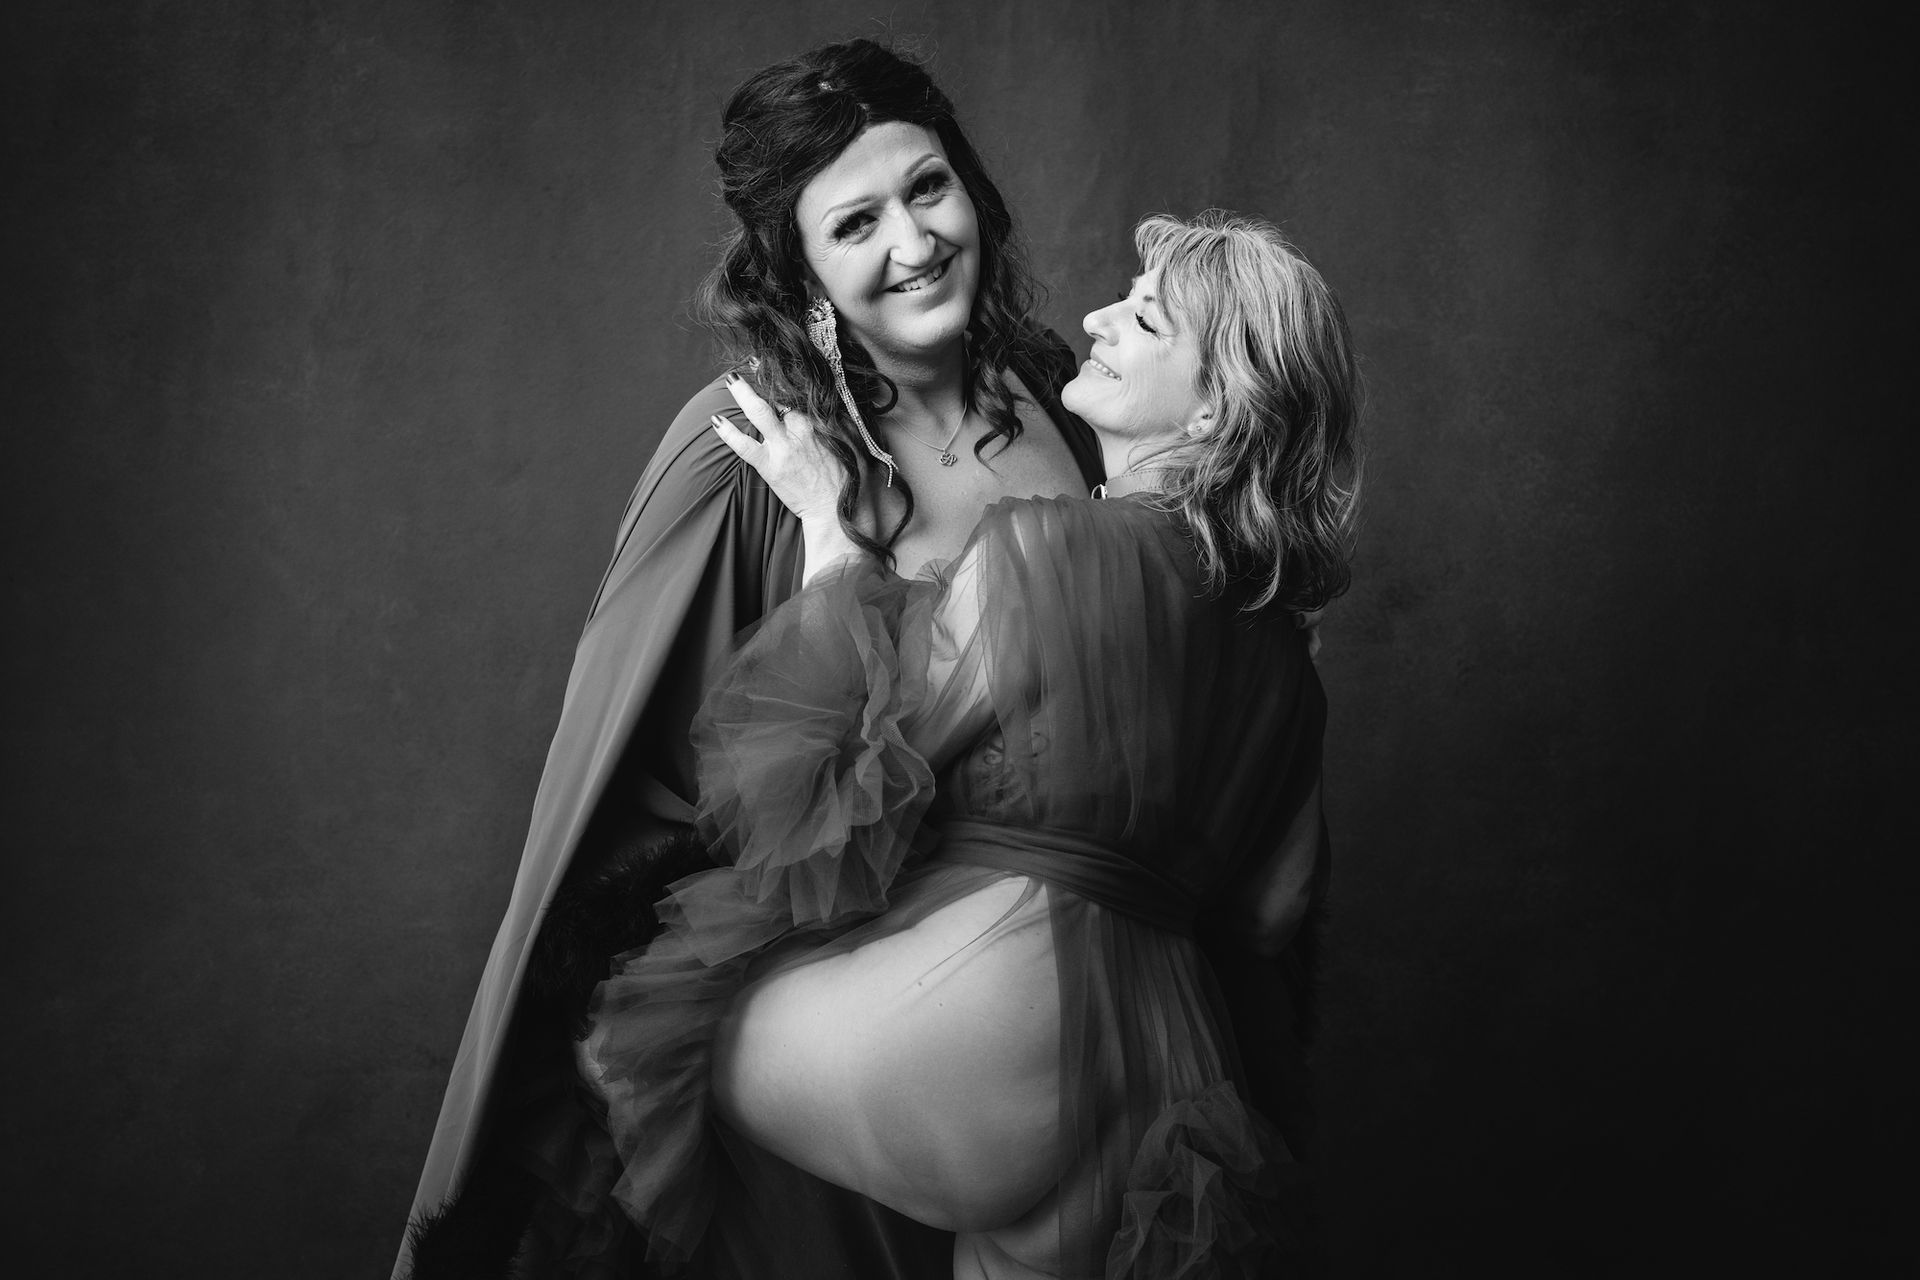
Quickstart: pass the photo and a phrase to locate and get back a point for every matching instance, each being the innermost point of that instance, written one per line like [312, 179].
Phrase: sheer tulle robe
[982, 1002]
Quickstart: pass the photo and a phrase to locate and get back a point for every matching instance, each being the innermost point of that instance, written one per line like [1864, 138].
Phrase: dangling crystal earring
[824, 332]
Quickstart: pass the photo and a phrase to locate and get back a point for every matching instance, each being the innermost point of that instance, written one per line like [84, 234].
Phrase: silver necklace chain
[947, 456]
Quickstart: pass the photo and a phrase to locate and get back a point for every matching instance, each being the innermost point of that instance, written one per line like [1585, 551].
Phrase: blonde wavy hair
[1269, 492]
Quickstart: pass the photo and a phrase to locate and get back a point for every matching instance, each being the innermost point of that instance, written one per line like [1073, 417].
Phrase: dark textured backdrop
[338, 332]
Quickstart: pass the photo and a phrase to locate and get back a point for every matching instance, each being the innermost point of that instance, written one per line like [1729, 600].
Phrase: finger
[758, 411]
[797, 424]
[751, 451]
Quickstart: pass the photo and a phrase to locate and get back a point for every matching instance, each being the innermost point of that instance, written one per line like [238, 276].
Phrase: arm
[1280, 890]
[819, 744]
[703, 549]
[806, 479]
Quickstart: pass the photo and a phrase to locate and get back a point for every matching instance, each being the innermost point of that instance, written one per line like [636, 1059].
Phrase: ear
[1200, 423]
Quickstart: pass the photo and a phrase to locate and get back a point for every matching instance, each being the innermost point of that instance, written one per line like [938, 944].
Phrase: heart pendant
[948, 459]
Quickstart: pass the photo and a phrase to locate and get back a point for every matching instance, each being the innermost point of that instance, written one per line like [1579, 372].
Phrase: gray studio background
[337, 334]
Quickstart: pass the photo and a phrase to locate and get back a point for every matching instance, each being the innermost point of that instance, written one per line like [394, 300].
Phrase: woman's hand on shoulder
[798, 468]
[788, 455]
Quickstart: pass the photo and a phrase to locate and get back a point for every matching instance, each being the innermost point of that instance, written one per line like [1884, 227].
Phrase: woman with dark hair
[975, 820]
[874, 282]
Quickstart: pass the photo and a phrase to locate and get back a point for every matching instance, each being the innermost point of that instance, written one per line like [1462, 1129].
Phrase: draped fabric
[703, 550]
[1062, 707]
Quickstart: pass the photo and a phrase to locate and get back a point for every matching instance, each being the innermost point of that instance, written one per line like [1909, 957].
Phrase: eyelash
[1138, 318]
[928, 187]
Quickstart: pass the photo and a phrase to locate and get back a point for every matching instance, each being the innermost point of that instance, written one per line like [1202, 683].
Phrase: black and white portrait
[1001, 641]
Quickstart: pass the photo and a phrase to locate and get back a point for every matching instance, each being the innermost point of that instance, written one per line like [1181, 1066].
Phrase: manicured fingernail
[717, 420]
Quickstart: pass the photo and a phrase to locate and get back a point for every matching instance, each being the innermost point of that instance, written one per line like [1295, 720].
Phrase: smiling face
[890, 236]
[1140, 385]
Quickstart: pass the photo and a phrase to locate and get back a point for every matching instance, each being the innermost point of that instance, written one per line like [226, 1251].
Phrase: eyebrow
[913, 171]
[1145, 298]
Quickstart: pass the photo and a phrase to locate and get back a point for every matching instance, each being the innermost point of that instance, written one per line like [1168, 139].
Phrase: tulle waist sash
[1098, 872]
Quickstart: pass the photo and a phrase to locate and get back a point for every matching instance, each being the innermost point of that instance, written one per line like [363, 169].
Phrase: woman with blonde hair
[978, 819]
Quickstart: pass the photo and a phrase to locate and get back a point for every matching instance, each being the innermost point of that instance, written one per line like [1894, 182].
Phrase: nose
[1099, 322]
[914, 244]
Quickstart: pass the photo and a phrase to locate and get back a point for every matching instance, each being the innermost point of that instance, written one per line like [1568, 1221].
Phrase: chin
[936, 332]
[1072, 397]
[1081, 398]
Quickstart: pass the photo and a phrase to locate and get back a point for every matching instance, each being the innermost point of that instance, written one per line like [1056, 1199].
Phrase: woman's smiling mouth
[1101, 369]
[923, 280]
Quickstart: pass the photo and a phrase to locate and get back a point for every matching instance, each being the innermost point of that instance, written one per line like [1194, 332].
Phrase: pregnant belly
[920, 1068]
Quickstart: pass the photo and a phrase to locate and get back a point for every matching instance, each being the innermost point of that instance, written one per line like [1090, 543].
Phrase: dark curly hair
[780, 129]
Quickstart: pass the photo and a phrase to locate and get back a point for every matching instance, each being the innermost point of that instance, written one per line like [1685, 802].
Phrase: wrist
[827, 544]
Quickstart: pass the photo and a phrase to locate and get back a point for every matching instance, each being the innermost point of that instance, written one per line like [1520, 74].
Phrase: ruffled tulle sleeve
[806, 774]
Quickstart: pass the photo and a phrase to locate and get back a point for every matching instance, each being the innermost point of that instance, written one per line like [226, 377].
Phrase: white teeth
[1102, 369]
[921, 281]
